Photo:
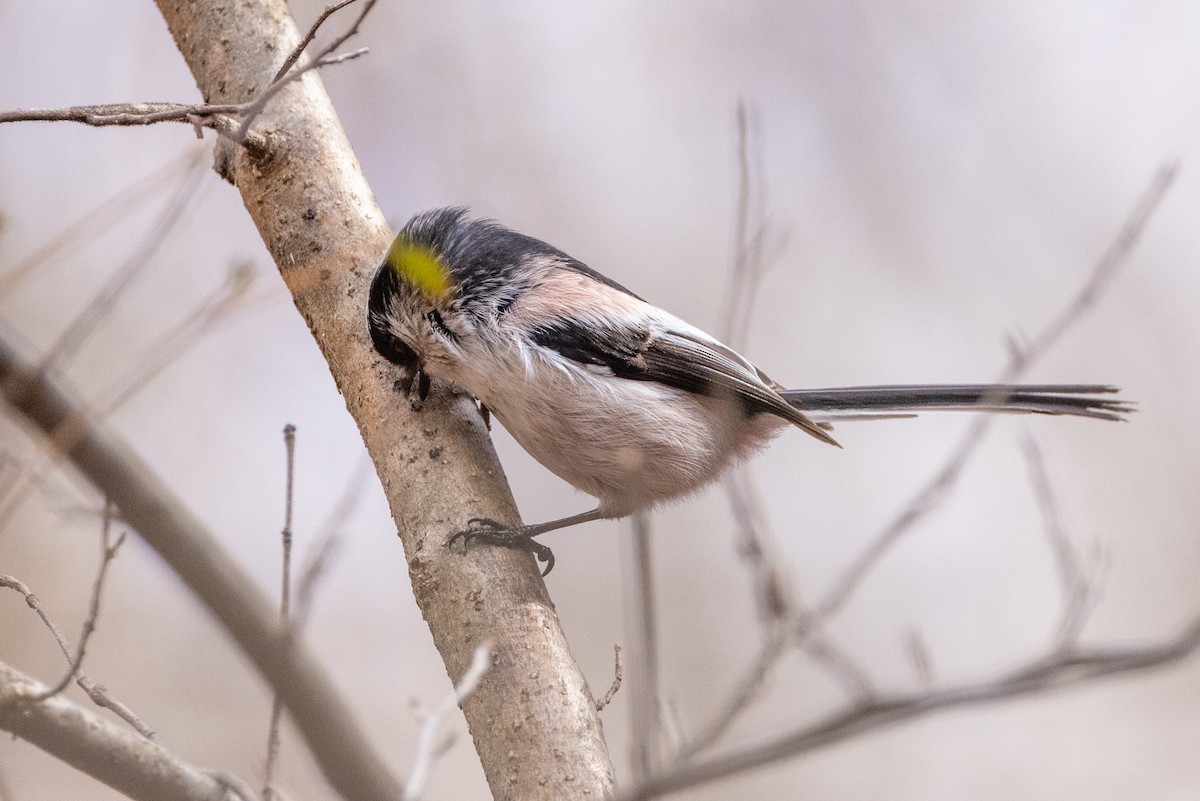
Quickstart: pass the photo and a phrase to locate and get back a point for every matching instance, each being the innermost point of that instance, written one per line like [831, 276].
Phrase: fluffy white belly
[630, 443]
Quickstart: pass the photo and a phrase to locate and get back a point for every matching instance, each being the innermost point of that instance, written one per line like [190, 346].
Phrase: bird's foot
[488, 530]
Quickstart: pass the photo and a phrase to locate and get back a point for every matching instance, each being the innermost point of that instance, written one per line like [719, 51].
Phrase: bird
[616, 396]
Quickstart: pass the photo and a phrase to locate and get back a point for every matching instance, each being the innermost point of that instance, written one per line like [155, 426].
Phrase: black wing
[674, 358]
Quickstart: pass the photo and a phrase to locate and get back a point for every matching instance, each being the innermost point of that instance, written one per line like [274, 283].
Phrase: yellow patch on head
[420, 267]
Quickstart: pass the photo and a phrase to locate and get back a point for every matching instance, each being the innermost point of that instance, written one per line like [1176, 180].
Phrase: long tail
[850, 403]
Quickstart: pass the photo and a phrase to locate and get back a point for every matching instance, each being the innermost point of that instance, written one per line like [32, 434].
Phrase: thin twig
[774, 597]
[108, 552]
[234, 785]
[936, 489]
[273, 732]
[323, 58]
[303, 44]
[1067, 668]
[427, 744]
[618, 675]
[345, 755]
[749, 688]
[134, 766]
[101, 217]
[80, 329]
[918, 654]
[780, 607]
[753, 234]
[98, 694]
[217, 116]
[104, 302]
[329, 539]
[207, 115]
[646, 705]
[1077, 589]
[215, 308]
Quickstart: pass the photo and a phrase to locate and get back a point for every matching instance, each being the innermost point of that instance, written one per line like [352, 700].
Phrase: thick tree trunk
[533, 718]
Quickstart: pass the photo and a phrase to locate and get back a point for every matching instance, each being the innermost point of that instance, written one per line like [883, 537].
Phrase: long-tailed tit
[621, 399]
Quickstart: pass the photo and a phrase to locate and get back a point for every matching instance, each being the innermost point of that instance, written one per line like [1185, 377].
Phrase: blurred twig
[343, 752]
[646, 703]
[1079, 597]
[96, 692]
[936, 489]
[189, 332]
[218, 306]
[102, 304]
[285, 601]
[1069, 667]
[1066, 664]
[756, 241]
[108, 552]
[780, 606]
[428, 747]
[328, 539]
[101, 217]
[135, 766]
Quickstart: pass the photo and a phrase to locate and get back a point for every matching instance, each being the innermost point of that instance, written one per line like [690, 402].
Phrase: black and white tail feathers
[878, 402]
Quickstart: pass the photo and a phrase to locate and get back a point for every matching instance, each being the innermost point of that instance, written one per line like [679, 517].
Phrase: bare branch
[427, 746]
[129, 763]
[303, 44]
[918, 653]
[329, 539]
[317, 215]
[103, 303]
[775, 599]
[108, 552]
[150, 508]
[753, 681]
[1063, 669]
[1078, 596]
[101, 217]
[285, 595]
[780, 607]
[646, 704]
[118, 113]
[206, 115]
[618, 675]
[236, 787]
[286, 74]
[932, 494]
[215, 116]
[98, 694]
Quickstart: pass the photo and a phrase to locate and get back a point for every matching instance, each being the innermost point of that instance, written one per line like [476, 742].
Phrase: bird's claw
[489, 530]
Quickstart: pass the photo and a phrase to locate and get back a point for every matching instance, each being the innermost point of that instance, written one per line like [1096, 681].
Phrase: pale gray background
[946, 172]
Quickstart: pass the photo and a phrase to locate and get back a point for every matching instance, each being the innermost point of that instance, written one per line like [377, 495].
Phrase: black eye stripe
[439, 325]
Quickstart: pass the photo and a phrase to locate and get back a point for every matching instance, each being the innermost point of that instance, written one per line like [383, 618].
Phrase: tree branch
[1105, 268]
[127, 762]
[532, 717]
[1067, 668]
[150, 508]
[217, 116]
[108, 552]
[98, 693]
